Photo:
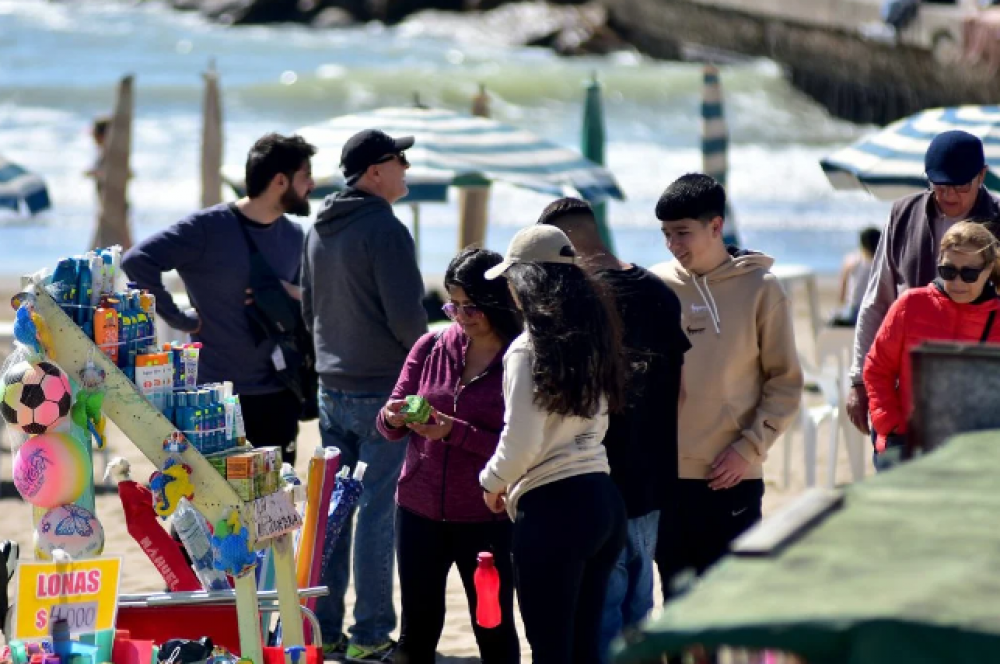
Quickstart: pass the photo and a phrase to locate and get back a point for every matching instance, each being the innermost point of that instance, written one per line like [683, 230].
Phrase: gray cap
[536, 244]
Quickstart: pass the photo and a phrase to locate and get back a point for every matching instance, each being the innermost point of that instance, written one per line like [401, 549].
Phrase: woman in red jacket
[441, 519]
[960, 305]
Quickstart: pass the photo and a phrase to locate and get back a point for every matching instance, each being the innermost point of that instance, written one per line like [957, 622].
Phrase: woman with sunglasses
[441, 519]
[960, 305]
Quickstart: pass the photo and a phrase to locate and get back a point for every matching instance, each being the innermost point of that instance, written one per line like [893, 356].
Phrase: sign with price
[275, 514]
[84, 593]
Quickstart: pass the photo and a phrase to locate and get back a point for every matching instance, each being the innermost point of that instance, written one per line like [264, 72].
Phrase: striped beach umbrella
[715, 142]
[456, 149]
[21, 190]
[890, 163]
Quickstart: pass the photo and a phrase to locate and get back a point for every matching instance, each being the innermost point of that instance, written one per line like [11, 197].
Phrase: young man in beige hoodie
[742, 377]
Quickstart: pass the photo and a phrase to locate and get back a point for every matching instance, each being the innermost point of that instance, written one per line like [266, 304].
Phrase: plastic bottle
[193, 531]
[64, 281]
[241, 432]
[84, 291]
[487, 581]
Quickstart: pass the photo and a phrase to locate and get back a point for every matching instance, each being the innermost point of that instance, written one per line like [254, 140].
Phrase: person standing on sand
[743, 382]
[642, 440]
[955, 166]
[212, 251]
[362, 300]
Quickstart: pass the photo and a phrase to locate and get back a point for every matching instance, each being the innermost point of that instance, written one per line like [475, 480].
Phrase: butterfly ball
[51, 470]
[70, 528]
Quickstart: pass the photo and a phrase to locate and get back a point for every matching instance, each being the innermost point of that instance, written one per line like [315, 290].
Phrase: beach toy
[86, 412]
[169, 485]
[42, 334]
[175, 443]
[417, 410]
[71, 528]
[51, 470]
[36, 397]
[231, 544]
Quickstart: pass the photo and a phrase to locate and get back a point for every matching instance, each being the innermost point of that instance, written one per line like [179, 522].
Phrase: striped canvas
[20, 189]
[715, 143]
[890, 164]
[452, 148]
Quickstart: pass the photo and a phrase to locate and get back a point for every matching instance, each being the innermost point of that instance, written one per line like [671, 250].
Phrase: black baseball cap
[954, 158]
[365, 148]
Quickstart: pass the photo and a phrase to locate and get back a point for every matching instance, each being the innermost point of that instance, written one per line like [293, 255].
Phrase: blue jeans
[347, 421]
[630, 588]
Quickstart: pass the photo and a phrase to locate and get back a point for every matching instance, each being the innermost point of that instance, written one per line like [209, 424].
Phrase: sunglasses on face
[968, 274]
[451, 310]
[396, 155]
[956, 188]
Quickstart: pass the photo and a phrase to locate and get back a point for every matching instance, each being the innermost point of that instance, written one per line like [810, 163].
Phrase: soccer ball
[36, 397]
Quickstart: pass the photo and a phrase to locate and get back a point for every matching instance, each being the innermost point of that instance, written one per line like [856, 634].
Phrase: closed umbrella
[592, 147]
[346, 495]
[890, 163]
[21, 190]
[715, 143]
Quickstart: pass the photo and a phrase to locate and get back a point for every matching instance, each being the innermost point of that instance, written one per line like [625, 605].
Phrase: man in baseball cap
[362, 298]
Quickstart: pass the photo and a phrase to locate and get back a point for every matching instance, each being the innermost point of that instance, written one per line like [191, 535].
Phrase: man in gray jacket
[362, 298]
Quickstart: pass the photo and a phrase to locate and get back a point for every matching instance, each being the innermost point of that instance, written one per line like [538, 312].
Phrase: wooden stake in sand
[112, 220]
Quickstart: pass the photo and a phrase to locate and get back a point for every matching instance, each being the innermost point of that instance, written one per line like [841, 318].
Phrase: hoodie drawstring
[713, 309]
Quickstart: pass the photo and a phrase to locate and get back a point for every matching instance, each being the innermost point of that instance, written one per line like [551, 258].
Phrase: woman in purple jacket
[441, 518]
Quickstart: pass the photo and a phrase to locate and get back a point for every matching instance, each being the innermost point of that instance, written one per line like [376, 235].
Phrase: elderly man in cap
[907, 254]
[362, 298]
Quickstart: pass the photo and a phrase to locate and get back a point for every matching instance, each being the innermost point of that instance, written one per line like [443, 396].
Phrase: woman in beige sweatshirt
[550, 470]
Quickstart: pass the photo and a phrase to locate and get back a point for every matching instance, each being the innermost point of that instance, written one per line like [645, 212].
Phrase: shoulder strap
[989, 326]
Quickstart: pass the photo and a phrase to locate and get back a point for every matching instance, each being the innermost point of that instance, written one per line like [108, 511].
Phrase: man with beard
[211, 251]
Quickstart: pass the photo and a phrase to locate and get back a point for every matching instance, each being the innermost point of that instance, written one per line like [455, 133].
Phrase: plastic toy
[417, 410]
[51, 470]
[36, 397]
[231, 544]
[169, 485]
[176, 443]
[295, 653]
[71, 528]
[87, 413]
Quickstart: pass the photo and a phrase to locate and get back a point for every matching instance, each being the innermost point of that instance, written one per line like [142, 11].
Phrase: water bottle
[487, 581]
[193, 531]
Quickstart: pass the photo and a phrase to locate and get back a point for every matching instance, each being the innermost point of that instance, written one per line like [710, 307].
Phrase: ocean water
[60, 61]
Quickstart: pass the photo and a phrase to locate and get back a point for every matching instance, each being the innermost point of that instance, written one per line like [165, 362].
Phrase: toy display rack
[147, 429]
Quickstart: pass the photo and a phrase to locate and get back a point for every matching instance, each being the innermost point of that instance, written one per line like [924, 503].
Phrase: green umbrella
[592, 147]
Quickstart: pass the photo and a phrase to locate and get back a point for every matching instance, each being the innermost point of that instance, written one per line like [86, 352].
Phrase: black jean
[426, 550]
[697, 531]
[272, 420]
[567, 537]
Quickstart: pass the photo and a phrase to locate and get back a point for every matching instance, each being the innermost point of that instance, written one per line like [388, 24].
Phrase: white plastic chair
[810, 418]
[835, 346]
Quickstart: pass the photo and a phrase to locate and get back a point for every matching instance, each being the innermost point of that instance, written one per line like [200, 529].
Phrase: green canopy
[907, 570]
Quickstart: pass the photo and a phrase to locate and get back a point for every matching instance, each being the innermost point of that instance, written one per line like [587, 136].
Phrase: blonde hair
[966, 235]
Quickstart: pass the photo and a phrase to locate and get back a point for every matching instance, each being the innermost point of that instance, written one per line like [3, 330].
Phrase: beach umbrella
[454, 149]
[21, 190]
[211, 140]
[890, 163]
[474, 200]
[592, 146]
[345, 497]
[715, 142]
[112, 221]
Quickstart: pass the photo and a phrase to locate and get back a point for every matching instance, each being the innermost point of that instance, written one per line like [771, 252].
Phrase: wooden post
[211, 140]
[288, 594]
[473, 202]
[112, 222]
[248, 618]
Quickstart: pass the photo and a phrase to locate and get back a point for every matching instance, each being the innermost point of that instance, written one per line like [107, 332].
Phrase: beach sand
[457, 641]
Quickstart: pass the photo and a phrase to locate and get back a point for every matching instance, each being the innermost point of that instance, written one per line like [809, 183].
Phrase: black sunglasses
[395, 155]
[968, 274]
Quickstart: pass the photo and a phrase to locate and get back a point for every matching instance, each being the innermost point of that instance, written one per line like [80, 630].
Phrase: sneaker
[337, 650]
[362, 654]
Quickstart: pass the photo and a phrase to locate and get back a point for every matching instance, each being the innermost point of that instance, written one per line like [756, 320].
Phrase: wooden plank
[248, 618]
[288, 594]
[778, 530]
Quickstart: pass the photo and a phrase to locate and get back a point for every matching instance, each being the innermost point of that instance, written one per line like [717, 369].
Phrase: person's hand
[857, 407]
[392, 415]
[438, 426]
[497, 502]
[728, 469]
[295, 292]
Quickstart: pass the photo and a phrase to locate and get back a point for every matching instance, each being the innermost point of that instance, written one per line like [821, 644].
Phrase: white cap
[536, 244]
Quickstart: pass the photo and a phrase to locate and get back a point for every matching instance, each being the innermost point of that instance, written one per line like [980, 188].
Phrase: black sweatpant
[272, 420]
[426, 550]
[697, 530]
[567, 537]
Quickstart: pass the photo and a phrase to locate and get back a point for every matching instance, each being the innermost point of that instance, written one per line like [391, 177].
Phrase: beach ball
[71, 528]
[36, 397]
[51, 469]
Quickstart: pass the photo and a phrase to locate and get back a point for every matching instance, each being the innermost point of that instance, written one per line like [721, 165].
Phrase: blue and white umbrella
[20, 189]
[455, 149]
[890, 164]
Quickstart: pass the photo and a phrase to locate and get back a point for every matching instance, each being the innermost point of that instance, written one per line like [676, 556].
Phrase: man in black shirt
[642, 441]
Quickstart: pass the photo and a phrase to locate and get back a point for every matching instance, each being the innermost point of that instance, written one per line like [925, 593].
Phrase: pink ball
[50, 470]
[71, 528]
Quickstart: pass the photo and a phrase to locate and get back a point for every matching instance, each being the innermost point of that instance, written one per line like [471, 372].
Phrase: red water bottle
[487, 581]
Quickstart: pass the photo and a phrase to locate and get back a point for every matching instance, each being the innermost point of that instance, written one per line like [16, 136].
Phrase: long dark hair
[467, 271]
[575, 337]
